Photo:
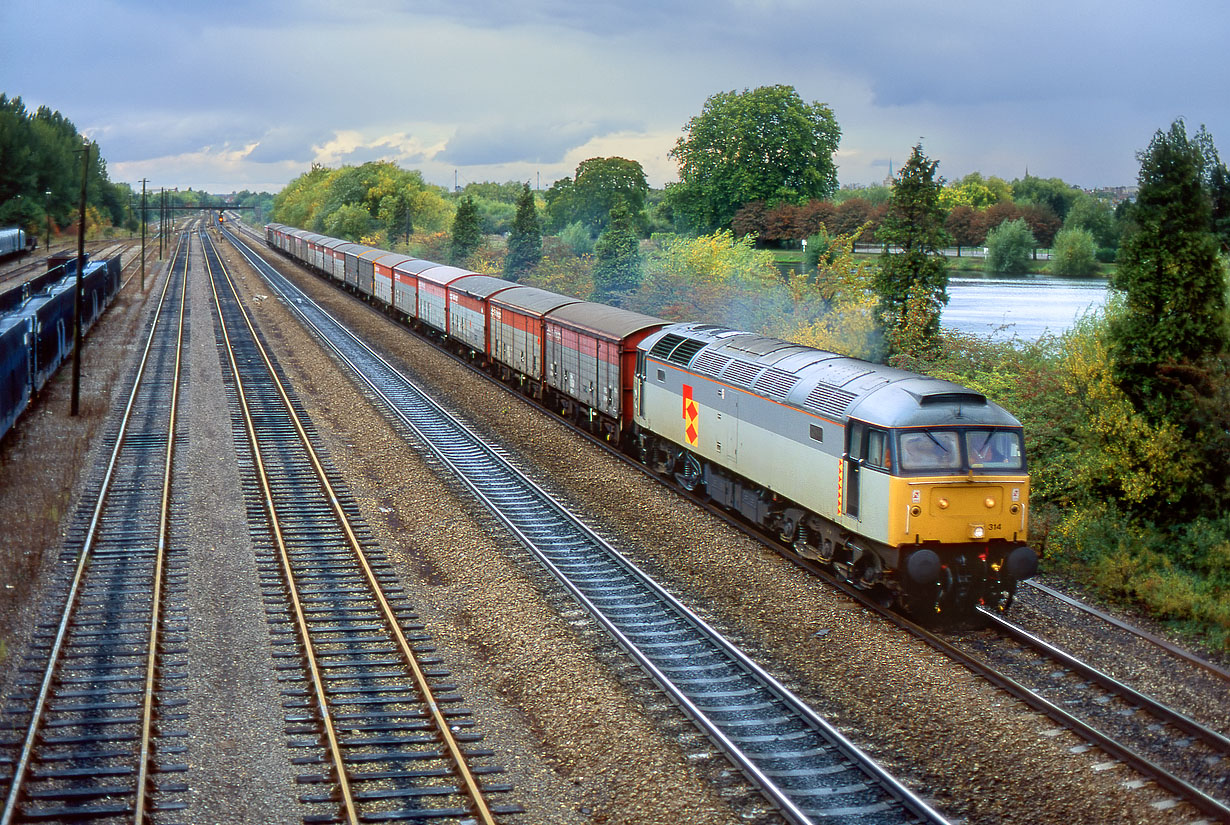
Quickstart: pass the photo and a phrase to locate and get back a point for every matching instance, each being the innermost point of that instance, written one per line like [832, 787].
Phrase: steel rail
[1147, 703]
[442, 725]
[771, 790]
[1116, 750]
[349, 811]
[1163, 778]
[1158, 641]
[164, 519]
[83, 559]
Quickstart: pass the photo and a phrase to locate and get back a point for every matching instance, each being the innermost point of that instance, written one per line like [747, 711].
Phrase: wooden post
[76, 395]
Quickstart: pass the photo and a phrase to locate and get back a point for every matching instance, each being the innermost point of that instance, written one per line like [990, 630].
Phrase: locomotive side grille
[776, 383]
[711, 364]
[741, 372]
[829, 400]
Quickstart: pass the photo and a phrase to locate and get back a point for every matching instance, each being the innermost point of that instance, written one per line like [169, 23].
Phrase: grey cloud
[542, 142]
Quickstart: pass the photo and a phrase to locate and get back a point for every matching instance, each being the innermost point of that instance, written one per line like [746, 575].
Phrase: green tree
[765, 144]
[1009, 247]
[350, 221]
[466, 233]
[576, 237]
[1172, 278]
[1052, 192]
[975, 191]
[617, 265]
[1095, 215]
[712, 278]
[592, 193]
[1074, 252]
[913, 282]
[525, 242]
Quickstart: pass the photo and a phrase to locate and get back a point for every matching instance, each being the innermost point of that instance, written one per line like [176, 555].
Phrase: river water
[1022, 307]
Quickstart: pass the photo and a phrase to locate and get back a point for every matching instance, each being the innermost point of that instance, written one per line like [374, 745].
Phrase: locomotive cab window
[991, 450]
[929, 450]
[879, 454]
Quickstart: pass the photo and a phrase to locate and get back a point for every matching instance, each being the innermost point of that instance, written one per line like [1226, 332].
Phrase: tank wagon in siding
[910, 486]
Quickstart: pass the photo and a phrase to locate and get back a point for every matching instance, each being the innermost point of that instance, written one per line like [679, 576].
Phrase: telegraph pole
[162, 216]
[143, 182]
[76, 394]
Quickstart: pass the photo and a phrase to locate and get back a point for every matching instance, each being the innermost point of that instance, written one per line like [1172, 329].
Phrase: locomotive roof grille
[710, 363]
[665, 344]
[829, 400]
[741, 372]
[686, 350]
[776, 383]
[676, 348]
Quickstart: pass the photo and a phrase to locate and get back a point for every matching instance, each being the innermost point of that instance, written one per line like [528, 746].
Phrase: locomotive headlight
[976, 531]
[990, 502]
[943, 504]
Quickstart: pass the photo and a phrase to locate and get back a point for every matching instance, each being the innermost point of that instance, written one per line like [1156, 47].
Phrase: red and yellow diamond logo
[691, 414]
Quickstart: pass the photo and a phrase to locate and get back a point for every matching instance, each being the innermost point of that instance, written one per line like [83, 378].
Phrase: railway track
[1185, 758]
[383, 734]
[803, 765]
[98, 719]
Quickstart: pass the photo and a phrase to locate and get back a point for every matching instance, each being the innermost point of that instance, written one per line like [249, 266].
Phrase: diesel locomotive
[910, 487]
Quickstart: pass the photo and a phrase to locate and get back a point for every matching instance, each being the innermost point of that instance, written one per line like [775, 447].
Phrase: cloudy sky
[235, 94]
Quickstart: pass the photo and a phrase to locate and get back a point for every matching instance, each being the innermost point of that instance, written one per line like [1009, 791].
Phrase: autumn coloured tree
[760, 145]
[912, 283]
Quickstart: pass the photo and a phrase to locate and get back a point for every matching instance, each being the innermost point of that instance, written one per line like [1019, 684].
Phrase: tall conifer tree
[913, 281]
[617, 269]
[467, 234]
[525, 240]
[1169, 272]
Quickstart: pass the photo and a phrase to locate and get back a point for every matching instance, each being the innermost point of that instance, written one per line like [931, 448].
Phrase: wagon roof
[480, 286]
[9, 321]
[443, 275]
[391, 259]
[532, 300]
[414, 266]
[333, 243]
[353, 248]
[602, 319]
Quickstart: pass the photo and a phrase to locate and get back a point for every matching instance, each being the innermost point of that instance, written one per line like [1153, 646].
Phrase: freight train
[910, 487]
[14, 241]
[36, 328]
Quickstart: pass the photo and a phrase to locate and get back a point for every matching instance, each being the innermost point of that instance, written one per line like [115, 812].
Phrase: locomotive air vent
[683, 353]
[665, 344]
[829, 400]
[776, 383]
[741, 372]
[710, 363]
